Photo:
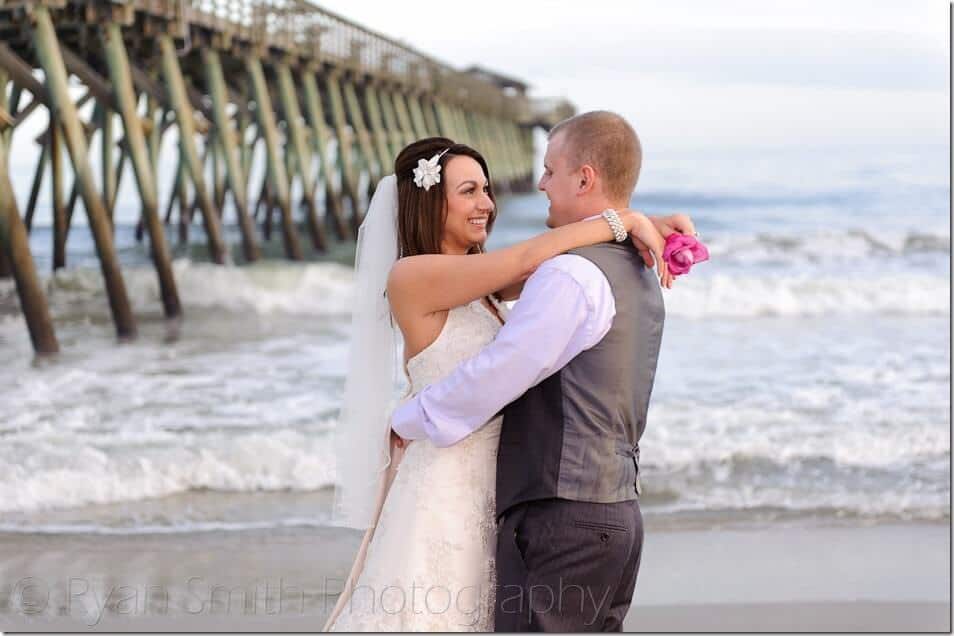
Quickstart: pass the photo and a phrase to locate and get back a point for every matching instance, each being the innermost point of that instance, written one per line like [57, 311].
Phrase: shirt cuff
[408, 420]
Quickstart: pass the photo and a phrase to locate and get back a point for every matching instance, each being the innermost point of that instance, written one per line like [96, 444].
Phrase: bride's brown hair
[422, 213]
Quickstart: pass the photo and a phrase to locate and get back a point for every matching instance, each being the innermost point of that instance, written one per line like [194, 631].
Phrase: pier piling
[330, 101]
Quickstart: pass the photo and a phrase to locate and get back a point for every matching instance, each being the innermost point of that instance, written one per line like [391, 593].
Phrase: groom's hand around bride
[397, 441]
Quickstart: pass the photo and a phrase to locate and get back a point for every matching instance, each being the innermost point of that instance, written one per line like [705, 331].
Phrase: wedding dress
[429, 561]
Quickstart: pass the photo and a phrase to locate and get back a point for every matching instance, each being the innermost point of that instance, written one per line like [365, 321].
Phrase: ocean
[804, 374]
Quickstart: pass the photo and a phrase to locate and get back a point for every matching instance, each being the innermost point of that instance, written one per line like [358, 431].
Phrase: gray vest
[576, 434]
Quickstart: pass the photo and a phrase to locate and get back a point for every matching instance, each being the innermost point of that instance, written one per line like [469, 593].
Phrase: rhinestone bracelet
[619, 231]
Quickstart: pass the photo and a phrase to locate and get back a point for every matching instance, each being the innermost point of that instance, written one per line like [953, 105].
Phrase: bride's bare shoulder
[408, 269]
[413, 317]
[401, 281]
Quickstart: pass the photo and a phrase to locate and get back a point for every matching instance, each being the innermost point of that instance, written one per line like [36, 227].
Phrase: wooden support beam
[118, 176]
[89, 130]
[5, 267]
[349, 174]
[421, 127]
[395, 134]
[208, 151]
[136, 147]
[110, 186]
[295, 131]
[96, 83]
[189, 154]
[276, 174]
[457, 114]
[218, 174]
[13, 105]
[38, 176]
[429, 108]
[481, 140]
[22, 74]
[37, 183]
[235, 173]
[447, 126]
[269, 212]
[8, 109]
[59, 211]
[185, 210]
[155, 135]
[21, 116]
[513, 159]
[405, 122]
[379, 130]
[262, 192]
[246, 122]
[15, 245]
[290, 171]
[144, 82]
[64, 111]
[488, 138]
[322, 138]
[525, 134]
[490, 132]
[356, 117]
[173, 191]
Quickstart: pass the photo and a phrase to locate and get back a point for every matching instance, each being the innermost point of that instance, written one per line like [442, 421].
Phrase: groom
[572, 371]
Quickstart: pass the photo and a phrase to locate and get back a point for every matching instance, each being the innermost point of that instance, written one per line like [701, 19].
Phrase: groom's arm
[566, 307]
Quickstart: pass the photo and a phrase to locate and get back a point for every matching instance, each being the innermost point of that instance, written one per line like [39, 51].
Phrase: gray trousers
[567, 566]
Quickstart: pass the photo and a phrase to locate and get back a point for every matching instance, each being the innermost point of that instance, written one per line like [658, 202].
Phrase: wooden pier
[331, 103]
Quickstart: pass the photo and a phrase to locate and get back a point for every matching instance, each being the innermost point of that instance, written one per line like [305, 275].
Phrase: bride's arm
[434, 282]
[665, 225]
[679, 222]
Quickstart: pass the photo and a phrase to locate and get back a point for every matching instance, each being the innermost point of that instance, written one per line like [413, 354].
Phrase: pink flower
[682, 252]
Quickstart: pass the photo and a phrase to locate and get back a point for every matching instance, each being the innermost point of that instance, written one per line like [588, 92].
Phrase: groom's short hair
[607, 142]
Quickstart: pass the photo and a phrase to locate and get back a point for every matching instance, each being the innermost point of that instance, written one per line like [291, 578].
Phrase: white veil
[361, 438]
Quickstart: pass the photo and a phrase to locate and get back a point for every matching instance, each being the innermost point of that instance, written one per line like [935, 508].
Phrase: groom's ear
[587, 179]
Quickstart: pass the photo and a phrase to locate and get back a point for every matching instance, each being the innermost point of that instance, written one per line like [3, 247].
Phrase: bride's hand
[679, 222]
[650, 244]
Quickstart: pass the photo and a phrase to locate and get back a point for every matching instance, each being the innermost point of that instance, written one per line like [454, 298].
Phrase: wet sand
[837, 578]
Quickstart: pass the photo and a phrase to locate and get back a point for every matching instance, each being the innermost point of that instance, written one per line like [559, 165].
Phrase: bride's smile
[470, 210]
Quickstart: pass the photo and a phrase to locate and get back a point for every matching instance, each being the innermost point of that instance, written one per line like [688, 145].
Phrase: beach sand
[772, 578]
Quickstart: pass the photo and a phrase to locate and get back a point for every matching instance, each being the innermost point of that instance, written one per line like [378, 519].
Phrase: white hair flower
[428, 171]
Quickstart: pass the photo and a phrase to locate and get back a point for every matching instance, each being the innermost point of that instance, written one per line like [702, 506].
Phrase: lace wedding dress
[429, 564]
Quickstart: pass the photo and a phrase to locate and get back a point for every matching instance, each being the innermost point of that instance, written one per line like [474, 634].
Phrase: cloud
[784, 57]
[849, 44]
[700, 74]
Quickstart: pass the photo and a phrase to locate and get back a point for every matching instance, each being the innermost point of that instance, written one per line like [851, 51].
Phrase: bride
[427, 559]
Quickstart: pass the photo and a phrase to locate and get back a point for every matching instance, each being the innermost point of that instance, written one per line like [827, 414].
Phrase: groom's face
[559, 182]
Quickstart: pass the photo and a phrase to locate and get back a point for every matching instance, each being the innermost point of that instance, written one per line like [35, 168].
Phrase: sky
[699, 79]
[692, 74]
